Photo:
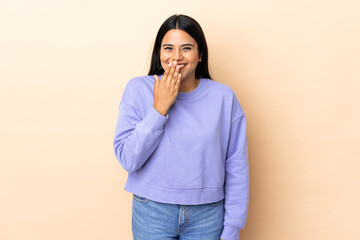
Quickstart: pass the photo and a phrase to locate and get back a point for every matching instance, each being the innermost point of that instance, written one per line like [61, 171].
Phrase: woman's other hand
[166, 90]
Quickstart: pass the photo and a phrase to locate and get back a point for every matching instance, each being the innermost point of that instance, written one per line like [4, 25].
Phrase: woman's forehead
[177, 37]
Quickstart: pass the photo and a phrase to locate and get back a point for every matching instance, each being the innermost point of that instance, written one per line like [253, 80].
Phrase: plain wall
[294, 65]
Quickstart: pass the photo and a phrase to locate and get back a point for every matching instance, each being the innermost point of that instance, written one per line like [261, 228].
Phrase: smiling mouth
[182, 66]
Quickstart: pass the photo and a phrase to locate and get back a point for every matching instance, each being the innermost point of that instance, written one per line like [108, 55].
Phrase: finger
[178, 81]
[156, 80]
[171, 72]
[166, 73]
[175, 76]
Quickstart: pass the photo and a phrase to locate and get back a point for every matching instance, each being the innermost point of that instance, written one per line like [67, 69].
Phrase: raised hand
[166, 90]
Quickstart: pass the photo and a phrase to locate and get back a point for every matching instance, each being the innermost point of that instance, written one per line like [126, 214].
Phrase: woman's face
[180, 46]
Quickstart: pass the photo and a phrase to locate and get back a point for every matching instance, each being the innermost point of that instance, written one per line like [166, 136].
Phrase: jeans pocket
[215, 204]
[140, 199]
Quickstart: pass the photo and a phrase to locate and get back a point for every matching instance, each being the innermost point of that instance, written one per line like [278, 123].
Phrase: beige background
[294, 65]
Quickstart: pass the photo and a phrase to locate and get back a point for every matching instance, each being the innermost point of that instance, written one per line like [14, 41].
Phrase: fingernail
[169, 64]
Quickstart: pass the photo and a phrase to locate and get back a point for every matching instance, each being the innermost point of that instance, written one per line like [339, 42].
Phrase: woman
[182, 138]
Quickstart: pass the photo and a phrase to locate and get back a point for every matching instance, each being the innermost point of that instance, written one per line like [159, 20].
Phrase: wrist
[161, 110]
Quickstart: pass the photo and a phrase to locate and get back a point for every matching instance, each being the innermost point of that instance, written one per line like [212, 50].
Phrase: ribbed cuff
[230, 233]
[154, 120]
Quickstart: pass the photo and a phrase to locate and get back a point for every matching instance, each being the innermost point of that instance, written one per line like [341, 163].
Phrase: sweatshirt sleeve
[236, 181]
[136, 138]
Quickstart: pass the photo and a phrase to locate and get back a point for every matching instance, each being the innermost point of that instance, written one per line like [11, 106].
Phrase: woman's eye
[185, 48]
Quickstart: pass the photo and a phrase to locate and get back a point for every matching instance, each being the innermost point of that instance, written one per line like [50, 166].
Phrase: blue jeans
[161, 221]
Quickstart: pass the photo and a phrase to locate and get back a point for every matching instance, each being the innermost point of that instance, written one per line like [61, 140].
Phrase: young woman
[182, 138]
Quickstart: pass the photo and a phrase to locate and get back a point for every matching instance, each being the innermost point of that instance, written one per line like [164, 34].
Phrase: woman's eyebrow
[187, 44]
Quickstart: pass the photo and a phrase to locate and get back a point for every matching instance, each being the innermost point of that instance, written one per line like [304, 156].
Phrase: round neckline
[192, 94]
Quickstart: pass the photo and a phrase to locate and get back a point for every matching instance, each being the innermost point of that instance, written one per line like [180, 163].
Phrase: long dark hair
[192, 27]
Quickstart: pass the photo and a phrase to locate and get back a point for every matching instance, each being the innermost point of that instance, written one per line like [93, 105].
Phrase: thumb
[156, 80]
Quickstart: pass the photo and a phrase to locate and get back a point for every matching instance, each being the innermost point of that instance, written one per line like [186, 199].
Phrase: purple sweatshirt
[196, 154]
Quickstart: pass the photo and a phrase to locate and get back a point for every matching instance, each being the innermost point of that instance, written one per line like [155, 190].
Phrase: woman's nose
[177, 55]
